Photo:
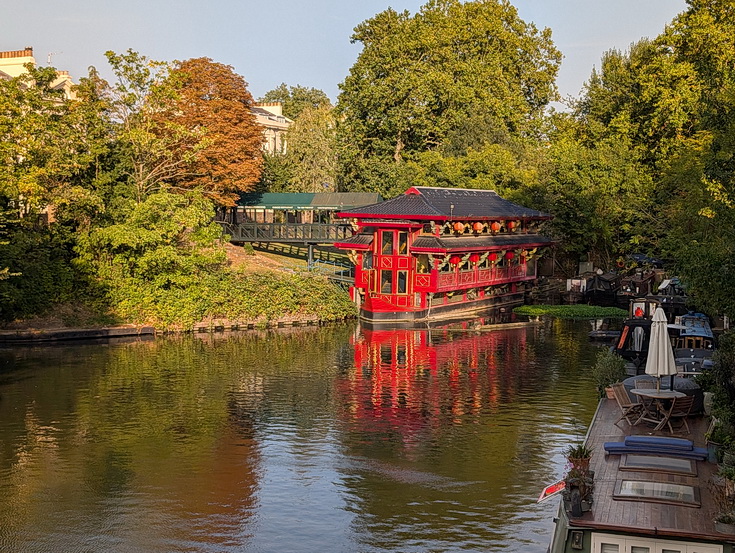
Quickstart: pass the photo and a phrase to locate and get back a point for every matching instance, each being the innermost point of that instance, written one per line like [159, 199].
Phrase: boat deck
[646, 517]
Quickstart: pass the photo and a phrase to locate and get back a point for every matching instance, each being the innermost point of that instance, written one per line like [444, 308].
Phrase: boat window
[402, 282]
[655, 463]
[387, 242]
[402, 243]
[367, 260]
[660, 492]
[386, 282]
[422, 264]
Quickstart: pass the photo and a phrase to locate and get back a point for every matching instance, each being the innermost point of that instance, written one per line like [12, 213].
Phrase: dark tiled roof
[446, 203]
[358, 241]
[468, 243]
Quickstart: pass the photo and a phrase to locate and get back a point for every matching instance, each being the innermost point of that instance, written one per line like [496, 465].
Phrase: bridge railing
[287, 232]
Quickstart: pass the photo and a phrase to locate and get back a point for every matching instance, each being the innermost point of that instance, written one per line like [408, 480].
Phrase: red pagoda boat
[439, 252]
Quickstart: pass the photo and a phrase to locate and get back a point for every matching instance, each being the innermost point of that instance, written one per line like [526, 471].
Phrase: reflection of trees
[170, 428]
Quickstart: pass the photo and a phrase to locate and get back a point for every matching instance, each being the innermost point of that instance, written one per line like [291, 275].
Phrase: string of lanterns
[479, 227]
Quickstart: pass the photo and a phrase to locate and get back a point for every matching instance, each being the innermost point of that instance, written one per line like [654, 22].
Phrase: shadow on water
[315, 439]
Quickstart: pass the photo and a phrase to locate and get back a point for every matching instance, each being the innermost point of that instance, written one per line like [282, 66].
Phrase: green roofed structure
[299, 207]
[304, 218]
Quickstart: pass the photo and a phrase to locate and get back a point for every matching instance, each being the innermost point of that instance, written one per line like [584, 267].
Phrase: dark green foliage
[233, 297]
[571, 311]
[720, 380]
[42, 260]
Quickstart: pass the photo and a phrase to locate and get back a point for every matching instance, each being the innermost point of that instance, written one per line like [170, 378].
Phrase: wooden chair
[645, 384]
[680, 409]
[631, 411]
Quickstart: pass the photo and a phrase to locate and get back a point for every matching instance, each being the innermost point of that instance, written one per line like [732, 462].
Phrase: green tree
[295, 99]
[277, 173]
[421, 78]
[312, 151]
[155, 149]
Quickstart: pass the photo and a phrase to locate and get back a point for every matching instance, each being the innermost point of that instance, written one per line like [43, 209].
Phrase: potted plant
[578, 456]
[719, 439]
[721, 489]
[577, 493]
[609, 368]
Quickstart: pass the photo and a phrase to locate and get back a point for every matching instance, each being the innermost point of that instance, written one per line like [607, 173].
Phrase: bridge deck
[302, 233]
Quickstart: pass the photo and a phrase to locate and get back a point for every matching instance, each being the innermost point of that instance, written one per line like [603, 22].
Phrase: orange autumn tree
[214, 99]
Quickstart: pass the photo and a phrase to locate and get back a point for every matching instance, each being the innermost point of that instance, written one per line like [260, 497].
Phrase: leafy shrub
[609, 368]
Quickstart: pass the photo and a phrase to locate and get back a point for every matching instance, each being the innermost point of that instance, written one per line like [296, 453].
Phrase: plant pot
[724, 528]
[609, 393]
[580, 463]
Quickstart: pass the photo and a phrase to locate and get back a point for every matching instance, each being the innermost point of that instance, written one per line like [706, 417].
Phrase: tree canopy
[420, 78]
[295, 99]
[212, 97]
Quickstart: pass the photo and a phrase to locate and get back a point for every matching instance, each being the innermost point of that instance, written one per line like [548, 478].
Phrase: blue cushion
[619, 448]
[659, 441]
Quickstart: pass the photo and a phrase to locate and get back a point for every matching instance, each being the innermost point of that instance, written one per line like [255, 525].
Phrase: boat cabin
[433, 252]
[691, 335]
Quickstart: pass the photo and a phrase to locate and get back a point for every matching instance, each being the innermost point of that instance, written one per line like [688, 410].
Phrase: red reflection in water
[410, 380]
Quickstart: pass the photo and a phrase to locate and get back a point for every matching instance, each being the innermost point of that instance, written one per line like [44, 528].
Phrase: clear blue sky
[304, 42]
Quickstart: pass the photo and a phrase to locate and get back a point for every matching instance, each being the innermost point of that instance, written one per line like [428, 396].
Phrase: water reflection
[455, 431]
[320, 439]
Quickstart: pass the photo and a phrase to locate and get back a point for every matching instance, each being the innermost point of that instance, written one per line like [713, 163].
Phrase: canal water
[332, 439]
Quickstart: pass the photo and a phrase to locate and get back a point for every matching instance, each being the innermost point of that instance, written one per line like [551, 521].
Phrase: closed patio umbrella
[660, 360]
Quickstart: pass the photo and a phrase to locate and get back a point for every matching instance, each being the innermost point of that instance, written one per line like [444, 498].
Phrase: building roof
[307, 201]
[429, 243]
[446, 203]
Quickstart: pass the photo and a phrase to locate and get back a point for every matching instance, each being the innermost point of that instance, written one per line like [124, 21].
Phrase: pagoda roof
[427, 203]
[433, 244]
[436, 244]
[356, 242]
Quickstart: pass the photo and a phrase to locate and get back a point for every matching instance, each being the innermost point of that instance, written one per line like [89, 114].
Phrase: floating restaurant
[436, 252]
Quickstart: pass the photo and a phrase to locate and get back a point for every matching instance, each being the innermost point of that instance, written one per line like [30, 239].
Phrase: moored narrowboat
[437, 252]
[648, 493]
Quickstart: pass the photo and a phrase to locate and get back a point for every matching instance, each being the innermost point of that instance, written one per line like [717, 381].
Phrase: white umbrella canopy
[660, 361]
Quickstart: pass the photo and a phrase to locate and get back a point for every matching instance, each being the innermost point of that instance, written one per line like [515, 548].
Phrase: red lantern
[475, 257]
[455, 259]
[458, 227]
[495, 227]
[510, 225]
[477, 227]
[493, 257]
[509, 255]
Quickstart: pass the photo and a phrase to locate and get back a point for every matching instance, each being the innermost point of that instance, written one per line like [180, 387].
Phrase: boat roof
[431, 203]
[646, 517]
[695, 324]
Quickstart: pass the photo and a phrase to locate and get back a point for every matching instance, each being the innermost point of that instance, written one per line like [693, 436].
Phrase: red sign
[551, 490]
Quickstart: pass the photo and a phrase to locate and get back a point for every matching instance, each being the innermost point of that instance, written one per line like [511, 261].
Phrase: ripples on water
[329, 439]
